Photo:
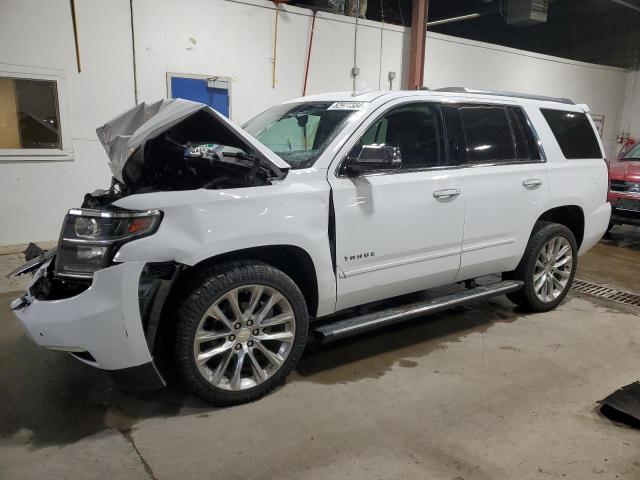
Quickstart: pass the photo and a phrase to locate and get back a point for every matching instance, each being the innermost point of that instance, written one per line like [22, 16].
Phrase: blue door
[197, 89]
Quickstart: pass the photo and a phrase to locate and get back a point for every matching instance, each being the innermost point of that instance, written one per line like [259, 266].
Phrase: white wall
[34, 196]
[243, 51]
[234, 39]
[630, 116]
[454, 61]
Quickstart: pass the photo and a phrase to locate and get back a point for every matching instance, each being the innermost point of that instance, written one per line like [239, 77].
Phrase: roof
[452, 92]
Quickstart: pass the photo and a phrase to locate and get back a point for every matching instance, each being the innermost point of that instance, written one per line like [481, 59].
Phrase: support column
[419, 12]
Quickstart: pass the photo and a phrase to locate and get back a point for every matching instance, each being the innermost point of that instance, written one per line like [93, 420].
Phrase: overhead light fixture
[453, 19]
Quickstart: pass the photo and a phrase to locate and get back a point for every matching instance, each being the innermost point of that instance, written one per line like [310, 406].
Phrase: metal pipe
[419, 14]
[133, 48]
[454, 19]
[354, 70]
[306, 70]
[75, 33]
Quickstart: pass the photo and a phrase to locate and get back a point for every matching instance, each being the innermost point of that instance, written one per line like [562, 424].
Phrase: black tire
[217, 282]
[543, 232]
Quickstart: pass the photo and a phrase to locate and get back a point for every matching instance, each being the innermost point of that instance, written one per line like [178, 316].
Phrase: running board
[340, 329]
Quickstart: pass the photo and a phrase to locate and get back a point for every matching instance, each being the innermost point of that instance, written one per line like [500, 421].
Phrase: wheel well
[294, 261]
[571, 216]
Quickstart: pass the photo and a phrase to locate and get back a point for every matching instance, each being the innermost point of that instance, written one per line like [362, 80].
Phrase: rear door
[506, 187]
[399, 231]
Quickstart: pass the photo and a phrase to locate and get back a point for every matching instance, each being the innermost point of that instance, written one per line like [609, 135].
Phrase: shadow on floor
[55, 399]
[625, 236]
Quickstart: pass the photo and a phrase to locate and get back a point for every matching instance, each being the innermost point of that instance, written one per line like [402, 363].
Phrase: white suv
[233, 245]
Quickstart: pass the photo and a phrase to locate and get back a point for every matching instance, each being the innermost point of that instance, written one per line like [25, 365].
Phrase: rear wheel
[240, 333]
[547, 267]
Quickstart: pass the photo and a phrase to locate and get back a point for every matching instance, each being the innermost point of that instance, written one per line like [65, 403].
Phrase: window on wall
[34, 114]
[29, 114]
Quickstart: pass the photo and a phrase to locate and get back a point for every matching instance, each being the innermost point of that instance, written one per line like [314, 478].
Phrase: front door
[399, 231]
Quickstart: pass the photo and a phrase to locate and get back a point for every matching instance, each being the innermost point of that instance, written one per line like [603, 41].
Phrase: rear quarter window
[574, 133]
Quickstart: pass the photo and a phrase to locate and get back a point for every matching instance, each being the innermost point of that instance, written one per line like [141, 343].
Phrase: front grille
[605, 291]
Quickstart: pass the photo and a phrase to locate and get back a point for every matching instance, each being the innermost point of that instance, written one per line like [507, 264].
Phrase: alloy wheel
[553, 269]
[244, 337]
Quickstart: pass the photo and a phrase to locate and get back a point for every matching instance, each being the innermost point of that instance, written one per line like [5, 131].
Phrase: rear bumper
[596, 225]
[103, 321]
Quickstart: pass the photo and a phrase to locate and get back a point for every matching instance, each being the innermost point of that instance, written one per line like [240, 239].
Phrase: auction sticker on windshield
[347, 106]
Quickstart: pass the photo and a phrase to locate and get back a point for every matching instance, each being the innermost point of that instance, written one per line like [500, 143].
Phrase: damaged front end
[182, 145]
[106, 313]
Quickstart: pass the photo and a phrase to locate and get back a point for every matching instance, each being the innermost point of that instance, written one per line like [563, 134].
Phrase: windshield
[299, 132]
[633, 154]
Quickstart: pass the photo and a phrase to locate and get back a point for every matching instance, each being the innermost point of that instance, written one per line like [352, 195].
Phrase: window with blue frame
[209, 91]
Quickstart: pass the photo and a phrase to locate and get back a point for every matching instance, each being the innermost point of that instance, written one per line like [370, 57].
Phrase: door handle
[531, 183]
[447, 193]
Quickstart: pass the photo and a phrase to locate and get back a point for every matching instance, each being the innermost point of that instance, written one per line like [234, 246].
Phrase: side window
[526, 144]
[574, 133]
[487, 134]
[416, 129]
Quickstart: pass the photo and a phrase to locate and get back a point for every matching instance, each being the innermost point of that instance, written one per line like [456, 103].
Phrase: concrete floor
[481, 392]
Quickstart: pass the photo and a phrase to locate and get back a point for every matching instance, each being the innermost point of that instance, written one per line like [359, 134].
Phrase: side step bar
[340, 329]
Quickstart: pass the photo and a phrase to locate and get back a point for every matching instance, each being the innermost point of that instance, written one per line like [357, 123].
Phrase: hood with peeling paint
[125, 137]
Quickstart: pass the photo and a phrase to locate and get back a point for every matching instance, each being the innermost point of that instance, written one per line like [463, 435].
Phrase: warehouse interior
[485, 390]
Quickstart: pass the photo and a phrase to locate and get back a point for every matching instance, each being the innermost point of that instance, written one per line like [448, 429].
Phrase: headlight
[90, 238]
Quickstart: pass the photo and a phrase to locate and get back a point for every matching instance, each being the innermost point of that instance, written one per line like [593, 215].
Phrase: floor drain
[604, 291]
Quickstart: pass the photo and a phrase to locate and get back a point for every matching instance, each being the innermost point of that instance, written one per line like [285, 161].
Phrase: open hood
[126, 138]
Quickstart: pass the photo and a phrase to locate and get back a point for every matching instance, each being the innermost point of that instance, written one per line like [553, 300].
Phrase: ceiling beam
[419, 14]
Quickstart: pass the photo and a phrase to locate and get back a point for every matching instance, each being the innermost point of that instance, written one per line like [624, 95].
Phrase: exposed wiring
[501, 10]
[354, 71]
[275, 45]
[381, 38]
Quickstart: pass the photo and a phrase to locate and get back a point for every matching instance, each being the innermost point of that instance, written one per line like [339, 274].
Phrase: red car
[624, 187]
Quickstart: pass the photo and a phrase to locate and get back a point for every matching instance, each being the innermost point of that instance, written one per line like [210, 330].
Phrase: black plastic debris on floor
[623, 405]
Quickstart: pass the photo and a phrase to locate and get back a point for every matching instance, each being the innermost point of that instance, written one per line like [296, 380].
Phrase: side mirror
[374, 157]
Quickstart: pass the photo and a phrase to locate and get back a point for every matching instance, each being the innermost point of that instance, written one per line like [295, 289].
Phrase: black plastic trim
[141, 377]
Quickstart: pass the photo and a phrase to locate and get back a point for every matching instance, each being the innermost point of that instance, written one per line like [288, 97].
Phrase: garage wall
[34, 196]
[233, 38]
[454, 61]
[236, 41]
[630, 117]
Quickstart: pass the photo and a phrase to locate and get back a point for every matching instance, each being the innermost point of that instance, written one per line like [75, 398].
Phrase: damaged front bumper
[101, 326]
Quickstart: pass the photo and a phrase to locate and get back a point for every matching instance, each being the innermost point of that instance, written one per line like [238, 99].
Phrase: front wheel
[240, 332]
[547, 267]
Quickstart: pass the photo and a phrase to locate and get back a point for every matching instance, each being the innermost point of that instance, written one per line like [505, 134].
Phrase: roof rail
[504, 94]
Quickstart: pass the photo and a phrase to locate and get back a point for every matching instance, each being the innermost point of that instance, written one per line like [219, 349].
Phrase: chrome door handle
[531, 183]
[447, 193]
